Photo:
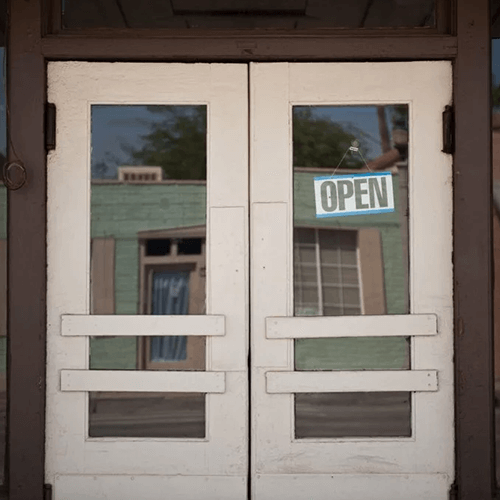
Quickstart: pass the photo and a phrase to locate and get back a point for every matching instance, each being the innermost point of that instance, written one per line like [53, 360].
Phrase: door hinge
[50, 126]
[453, 493]
[47, 492]
[448, 130]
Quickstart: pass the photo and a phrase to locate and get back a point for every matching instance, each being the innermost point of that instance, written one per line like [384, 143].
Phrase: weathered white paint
[227, 286]
[135, 487]
[347, 486]
[282, 467]
[404, 325]
[145, 381]
[355, 381]
[418, 467]
[219, 461]
[75, 325]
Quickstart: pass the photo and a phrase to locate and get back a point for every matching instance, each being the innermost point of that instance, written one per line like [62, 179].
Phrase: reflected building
[148, 256]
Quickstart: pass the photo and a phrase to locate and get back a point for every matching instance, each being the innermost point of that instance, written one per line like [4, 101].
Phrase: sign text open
[355, 194]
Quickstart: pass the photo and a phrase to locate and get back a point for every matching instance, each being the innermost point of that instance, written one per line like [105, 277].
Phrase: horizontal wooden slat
[145, 381]
[351, 326]
[141, 326]
[361, 381]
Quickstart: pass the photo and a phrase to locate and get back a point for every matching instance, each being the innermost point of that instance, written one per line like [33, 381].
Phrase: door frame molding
[468, 47]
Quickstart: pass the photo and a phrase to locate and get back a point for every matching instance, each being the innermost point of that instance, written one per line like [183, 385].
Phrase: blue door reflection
[170, 296]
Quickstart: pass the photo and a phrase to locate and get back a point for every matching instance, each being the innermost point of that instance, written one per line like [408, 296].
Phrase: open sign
[356, 194]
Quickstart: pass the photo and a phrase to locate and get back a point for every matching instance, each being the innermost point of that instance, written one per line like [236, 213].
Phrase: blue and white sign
[356, 194]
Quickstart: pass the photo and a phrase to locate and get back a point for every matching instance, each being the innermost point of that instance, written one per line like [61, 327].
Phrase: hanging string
[353, 148]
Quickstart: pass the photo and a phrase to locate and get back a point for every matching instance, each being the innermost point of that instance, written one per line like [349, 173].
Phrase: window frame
[370, 266]
[196, 265]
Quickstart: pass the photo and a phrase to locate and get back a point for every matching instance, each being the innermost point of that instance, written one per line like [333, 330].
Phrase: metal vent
[140, 174]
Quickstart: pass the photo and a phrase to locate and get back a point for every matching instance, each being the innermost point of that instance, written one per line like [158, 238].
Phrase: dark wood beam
[473, 254]
[224, 46]
[26, 256]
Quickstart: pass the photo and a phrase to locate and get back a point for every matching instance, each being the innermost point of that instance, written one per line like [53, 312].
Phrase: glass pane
[331, 296]
[353, 414]
[148, 228]
[147, 414]
[358, 244]
[248, 14]
[358, 353]
[306, 274]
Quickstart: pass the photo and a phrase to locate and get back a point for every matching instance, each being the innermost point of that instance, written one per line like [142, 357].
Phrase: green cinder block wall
[361, 353]
[121, 211]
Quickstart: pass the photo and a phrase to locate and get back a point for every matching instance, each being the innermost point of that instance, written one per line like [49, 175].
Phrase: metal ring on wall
[9, 183]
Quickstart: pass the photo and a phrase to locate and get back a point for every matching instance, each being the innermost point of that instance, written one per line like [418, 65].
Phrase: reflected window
[173, 277]
[326, 273]
[331, 266]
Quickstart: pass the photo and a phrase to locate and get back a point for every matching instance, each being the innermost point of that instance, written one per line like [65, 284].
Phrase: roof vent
[140, 173]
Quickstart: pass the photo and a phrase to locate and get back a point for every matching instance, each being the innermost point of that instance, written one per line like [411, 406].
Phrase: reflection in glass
[352, 414]
[248, 14]
[358, 353]
[148, 414]
[326, 273]
[148, 206]
[350, 264]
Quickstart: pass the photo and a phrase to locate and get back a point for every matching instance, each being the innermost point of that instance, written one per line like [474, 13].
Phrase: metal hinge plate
[47, 492]
[453, 493]
[50, 126]
[449, 130]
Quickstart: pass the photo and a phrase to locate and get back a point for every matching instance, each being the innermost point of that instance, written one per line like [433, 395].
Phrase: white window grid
[303, 280]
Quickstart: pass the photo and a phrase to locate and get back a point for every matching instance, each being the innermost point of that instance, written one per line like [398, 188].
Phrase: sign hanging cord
[353, 148]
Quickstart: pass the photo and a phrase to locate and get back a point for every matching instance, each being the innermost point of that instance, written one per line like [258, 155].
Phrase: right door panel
[352, 343]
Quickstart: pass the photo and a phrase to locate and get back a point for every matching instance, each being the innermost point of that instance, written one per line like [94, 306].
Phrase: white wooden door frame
[82, 467]
[421, 466]
[418, 467]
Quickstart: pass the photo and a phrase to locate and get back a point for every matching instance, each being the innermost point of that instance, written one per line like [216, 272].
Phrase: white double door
[250, 448]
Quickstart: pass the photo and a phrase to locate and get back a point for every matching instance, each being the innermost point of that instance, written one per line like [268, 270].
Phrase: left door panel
[82, 462]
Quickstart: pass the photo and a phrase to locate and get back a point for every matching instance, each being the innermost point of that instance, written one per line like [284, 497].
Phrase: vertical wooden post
[472, 254]
[26, 255]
